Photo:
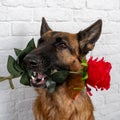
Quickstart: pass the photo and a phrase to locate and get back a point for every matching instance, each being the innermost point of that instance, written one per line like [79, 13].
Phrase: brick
[9, 116]
[114, 16]
[3, 13]
[111, 27]
[33, 3]
[98, 101]
[89, 15]
[24, 105]
[25, 29]
[105, 50]
[0, 4]
[51, 15]
[113, 89]
[26, 3]
[5, 95]
[4, 86]
[17, 94]
[4, 29]
[7, 107]
[19, 13]
[19, 42]
[52, 3]
[32, 92]
[110, 108]
[11, 3]
[72, 27]
[75, 4]
[26, 115]
[113, 98]
[113, 116]
[64, 26]
[103, 4]
[109, 39]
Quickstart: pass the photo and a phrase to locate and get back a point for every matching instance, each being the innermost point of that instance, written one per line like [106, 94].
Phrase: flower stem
[11, 84]
[10, 80]
[78, 72]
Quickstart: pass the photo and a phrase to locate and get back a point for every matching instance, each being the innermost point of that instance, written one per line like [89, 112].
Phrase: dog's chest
[60, 107]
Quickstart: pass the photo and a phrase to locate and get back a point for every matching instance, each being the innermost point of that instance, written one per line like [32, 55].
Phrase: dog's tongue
[41, 76]
[38, 78]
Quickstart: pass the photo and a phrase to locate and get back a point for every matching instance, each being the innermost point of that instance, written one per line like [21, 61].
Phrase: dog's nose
[31, 61]
[37, 62]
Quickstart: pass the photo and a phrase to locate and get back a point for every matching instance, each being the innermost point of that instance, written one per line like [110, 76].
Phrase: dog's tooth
[32, 77]
[34, 73]
[43, 78]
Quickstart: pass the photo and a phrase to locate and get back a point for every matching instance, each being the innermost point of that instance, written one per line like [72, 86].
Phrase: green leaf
[51, 85]
[77, 88]
[60, 76]
[84, 63]
[31, 43]
[13, 68]
[25, 79]
[85, 76]
[29, 48]
[17, 51]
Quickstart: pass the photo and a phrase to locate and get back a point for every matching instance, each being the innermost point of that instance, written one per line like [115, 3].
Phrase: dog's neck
[74, 86]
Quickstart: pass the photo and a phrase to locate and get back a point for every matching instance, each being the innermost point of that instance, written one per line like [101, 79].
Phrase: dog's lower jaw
[62, 105]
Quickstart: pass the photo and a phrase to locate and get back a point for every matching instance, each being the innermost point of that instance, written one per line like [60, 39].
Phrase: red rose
[98, 74]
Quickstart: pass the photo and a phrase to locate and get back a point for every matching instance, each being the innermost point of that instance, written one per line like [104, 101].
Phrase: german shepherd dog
[62, 51]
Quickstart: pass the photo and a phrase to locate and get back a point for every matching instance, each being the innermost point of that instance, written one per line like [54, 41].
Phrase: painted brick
[114, 16]
[33, 3]
[4, 29]
[26, 3]
[7, 107]
[110, 108]
[11, 3]
[25, 116]
[19, 14]
[89, 15]
[32, 92]
[51, 14]
[103, 4]
[24, 105]
[52, 3]
[9, 116]
[75, 4]
[112, 98]
[111, 27]
[3, 13]
[109, 39]
[25, 29]
[114, 116]
[14, 42]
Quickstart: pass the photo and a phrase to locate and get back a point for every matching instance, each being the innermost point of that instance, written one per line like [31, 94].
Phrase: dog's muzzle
[37, 65]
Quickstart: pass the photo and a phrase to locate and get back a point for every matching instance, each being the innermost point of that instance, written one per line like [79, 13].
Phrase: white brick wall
[20, 21]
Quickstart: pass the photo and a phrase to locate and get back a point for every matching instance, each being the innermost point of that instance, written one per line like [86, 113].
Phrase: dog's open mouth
[38, 79]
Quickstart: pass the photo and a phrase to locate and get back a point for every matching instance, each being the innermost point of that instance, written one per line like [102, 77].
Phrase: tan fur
[65, 103]
[62, 105]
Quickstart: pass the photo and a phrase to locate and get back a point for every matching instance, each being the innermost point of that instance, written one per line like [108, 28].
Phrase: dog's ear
[44, 27]
[89, 36]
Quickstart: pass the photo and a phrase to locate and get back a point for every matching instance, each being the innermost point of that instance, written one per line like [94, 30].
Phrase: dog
[62, 51]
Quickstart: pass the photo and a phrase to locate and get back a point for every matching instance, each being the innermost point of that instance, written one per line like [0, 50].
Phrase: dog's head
[60, 50]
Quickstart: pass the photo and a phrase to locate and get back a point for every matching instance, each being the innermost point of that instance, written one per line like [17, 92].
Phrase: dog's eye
[61, 46]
